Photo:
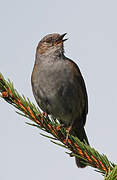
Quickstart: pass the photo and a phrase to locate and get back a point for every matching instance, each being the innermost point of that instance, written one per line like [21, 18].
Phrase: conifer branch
[90, 156]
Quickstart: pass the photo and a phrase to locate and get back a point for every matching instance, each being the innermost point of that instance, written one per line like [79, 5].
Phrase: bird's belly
[57, 93]
[59, 98]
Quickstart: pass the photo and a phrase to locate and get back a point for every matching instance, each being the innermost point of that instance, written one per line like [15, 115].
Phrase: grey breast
[57, 92]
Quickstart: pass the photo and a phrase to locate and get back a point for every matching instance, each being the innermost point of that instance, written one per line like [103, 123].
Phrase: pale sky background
[92, 31]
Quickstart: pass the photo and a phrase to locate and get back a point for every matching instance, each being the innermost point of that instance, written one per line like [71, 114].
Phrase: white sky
[92, 31]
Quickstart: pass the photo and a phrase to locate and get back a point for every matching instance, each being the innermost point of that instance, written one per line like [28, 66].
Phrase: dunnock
[59, 88]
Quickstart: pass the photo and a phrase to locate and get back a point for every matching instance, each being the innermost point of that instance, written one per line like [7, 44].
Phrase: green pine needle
[81, 150]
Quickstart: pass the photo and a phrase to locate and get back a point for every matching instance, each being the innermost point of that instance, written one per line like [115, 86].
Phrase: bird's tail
[81, 134]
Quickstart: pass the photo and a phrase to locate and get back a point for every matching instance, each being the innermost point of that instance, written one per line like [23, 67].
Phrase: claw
[43, 114]
[59, 126]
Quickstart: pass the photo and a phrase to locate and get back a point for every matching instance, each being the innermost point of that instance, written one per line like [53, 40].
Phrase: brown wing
[78, 76]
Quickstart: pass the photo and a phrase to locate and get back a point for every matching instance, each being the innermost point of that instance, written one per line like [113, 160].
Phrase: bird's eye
[49, 40]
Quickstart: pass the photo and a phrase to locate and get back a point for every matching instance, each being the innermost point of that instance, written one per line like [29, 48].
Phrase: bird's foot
[43, 114]
[59, 126]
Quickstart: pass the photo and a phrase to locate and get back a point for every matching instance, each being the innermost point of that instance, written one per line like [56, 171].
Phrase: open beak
[60, 39]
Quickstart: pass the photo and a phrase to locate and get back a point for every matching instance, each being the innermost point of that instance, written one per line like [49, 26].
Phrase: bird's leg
[59, 126]
[43, 114]
[68, 131]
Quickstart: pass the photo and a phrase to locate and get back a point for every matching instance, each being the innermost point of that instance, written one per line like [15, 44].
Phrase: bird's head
[51, 43]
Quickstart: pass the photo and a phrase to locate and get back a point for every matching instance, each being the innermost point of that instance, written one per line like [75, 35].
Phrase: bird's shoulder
[73, 67]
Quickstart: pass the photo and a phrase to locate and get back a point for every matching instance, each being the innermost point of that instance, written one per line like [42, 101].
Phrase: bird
[59, 88]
